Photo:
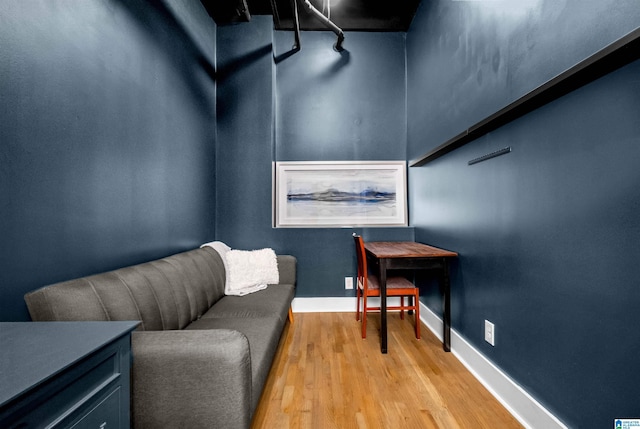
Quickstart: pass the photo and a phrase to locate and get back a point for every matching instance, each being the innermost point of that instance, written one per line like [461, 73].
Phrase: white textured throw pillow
[250, 270]
[219, 247]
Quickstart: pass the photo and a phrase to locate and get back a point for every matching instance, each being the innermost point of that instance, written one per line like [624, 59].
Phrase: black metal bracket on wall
[616, 55]
[490, 155]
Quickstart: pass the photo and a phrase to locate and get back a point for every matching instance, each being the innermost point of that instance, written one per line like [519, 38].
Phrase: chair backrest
[362, 261]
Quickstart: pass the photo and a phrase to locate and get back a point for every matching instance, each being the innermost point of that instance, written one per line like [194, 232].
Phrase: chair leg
[358, 304]
[290, 315]
[416, 300]
[364, 315]
[402, 308]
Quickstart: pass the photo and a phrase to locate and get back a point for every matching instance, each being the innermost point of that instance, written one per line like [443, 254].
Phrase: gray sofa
[200, 358]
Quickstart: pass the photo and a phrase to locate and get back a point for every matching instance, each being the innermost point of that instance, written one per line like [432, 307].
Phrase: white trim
[323, 305]
[529, 412]
[332, 304]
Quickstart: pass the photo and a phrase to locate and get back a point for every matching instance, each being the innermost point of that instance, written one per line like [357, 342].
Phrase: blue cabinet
[65, 374]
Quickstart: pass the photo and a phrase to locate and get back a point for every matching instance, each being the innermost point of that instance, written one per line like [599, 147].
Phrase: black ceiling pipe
[296, 25]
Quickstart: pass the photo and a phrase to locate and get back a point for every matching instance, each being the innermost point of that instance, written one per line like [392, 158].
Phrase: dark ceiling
[349, 15]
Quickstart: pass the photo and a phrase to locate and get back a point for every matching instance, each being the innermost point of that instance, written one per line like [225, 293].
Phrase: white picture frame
[336, 194]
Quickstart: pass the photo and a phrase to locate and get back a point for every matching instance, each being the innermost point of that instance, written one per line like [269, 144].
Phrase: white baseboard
[332, 304]
[529, 412]
[323, 305]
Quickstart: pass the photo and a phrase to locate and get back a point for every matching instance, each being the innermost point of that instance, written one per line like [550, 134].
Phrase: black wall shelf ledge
[614, 56]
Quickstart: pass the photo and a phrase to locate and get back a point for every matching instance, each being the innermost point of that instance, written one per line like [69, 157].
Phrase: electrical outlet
[348, 282]
[490, 332]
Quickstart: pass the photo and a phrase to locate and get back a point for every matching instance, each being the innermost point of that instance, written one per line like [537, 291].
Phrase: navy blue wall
[314, 105]
[341, 106]
[548, 234]
[108, 158]
[107, 137]
[245, 133]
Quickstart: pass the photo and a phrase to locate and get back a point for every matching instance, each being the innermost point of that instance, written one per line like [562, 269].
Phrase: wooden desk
[390, 255]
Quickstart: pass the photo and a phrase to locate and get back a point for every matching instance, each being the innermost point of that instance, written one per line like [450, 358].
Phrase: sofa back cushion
[168, 293]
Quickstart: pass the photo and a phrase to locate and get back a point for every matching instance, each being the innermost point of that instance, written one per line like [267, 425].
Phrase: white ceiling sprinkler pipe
[328, 23]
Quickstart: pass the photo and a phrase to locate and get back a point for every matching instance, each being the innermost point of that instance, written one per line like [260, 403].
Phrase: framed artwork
[340, 194]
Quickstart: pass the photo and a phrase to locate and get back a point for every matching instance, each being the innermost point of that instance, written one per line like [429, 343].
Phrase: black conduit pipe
[296, 25]
[328, 23]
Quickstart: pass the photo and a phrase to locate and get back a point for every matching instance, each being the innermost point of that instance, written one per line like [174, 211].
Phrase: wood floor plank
[326, 376]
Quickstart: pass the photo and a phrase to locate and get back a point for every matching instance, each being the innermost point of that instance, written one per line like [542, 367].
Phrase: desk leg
[383, 305]
[447, 306]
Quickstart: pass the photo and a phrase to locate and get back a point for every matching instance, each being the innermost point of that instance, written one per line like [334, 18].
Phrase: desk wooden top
[406, 249]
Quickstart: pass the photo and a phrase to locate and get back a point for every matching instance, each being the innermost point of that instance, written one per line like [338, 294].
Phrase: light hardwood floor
[326, 376]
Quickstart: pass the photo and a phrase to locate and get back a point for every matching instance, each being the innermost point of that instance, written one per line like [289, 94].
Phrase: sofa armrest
[194, 379]
[287, 269]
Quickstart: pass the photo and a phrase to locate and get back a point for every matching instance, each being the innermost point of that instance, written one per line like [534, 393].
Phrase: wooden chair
[368, 286]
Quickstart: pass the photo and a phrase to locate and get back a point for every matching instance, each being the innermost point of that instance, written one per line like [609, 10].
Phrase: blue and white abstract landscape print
[336, 194]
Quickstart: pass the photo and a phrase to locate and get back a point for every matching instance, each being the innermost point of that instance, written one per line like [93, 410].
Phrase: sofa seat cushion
[274, 301]
[263, 335]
